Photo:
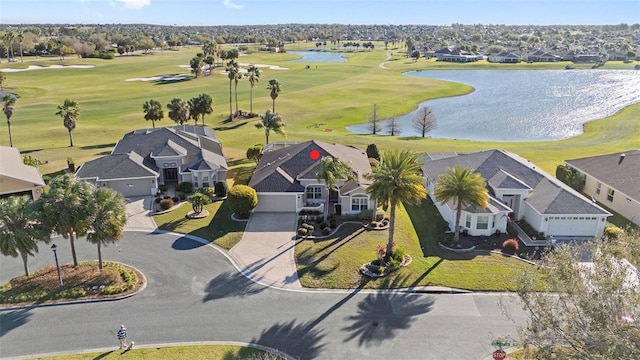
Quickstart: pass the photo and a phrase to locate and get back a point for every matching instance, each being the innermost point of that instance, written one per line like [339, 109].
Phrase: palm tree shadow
[298, 341]
[13, 319]
[231, 284]
[311, 260]
[104, 355]
[381, 316]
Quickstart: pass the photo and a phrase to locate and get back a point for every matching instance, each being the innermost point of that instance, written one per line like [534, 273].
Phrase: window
[314, 192]
[195, 181]
[467, 221]
[598, 186]
[483, 222]
[493, 222]
[610, 194]
[205, 181]
[359, 203]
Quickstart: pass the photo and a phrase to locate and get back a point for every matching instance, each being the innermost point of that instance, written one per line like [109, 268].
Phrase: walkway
[526, 239]
[266, 252]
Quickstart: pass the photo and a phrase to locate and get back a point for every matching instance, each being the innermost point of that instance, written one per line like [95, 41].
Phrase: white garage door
[131, 188]
[572, 226]
[276, 203]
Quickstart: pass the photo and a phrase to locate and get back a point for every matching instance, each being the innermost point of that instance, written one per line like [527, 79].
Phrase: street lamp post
[55, 255]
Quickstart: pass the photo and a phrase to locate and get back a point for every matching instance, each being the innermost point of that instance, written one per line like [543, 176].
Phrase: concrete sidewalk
[139, 214]
[266, 252]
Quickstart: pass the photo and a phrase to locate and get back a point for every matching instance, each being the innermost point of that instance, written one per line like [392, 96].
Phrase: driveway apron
[139, 214]
[266, 251]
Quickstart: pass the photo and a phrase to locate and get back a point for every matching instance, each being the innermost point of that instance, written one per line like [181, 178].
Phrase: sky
[355, 12]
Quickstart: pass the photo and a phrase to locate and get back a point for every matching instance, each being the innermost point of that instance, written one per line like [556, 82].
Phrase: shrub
[221, 188]
[319, 219]
[162, 188]
[182, 195]
[166, 204]
[303, 212]
[333, 224]
[379, 215]
[175, 199]
[613, 231]
[309, 227]
[524, 256]
[242, 199]
[302, 231]
[398, 253]
[207, 191]
[185, 187]
[510, 246]
[71, 165]
[326, 231]
[322, 225]
[157, 200]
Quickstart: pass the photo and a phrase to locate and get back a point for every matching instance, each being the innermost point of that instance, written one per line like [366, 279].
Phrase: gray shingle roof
[615, 171]
[118, 166]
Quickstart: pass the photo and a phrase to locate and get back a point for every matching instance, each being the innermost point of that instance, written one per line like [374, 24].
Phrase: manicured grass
[196, 352]
[334, 262]
[217, 228]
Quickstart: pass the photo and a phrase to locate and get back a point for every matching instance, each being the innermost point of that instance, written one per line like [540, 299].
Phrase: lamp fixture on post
[55, 255]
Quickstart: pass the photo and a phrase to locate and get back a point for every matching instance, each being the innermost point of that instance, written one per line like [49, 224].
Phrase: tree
[3, 78]
[464, 187]
[586, 310]
[109, 220]
[255, 153]
[7, 108]
[396, 179]
[198, 201]
[332, 170]
[69, 111]
[415, 54]
[253, 74]
[237, 77]
[271, 122]
[275, 87]
[200, 105]
[372, 152]
[196, 66]
[232, 72]
[69, 208]
[178, 110]
[424, 121]
[153, 111]
[374, 125]
[393, 126]
[242, 199]
[20, 228]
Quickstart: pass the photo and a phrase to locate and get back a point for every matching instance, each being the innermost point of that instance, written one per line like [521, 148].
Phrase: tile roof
[279, 170]
[616, 171]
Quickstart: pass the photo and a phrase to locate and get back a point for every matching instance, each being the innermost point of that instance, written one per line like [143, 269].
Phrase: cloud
[230, 5]
[135, 4]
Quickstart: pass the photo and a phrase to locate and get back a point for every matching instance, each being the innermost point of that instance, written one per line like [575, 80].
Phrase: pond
[2, 95]
[319, 56]
[523, 105]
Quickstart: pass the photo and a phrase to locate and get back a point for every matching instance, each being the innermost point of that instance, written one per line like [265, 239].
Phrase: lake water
[318, 56]
[523, 105]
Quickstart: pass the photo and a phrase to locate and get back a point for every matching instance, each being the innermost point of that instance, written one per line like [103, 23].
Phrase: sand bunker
[168, 78]
[38, 67]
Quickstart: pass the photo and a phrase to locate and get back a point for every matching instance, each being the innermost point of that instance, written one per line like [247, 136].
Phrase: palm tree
[396, 179]
[198, 201]
[194, 111]
[204, 104]
[253, 74]
[69, 111]
[7, 108]
[110, 217]
[3, 77]
[464, 187]
[153, 111]
[332, 170]
[232, 72]
[271, 122]
[237, 77]
[20, 41]
[20, 228]
[69, 208]
[9, 37]
[178, 110]
[275, 88]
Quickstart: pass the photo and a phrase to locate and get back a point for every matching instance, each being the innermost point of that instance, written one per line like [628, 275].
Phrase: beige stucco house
[16, 178]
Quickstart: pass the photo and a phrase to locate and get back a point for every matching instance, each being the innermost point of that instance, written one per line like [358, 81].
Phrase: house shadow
[231, 126]
[297, 340]
[231, 284]
[13, 319]
[98, 146]
[381, 317]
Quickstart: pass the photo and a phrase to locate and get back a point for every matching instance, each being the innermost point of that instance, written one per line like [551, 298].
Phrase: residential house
[518, 190]
[504, 57]
[144, 159]
[612, 180]
[587, 58]
[542, 56]
[456, 55]
[286, 179]
[16, 178]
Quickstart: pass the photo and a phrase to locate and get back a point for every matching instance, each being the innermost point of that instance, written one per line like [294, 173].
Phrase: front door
[170, 175]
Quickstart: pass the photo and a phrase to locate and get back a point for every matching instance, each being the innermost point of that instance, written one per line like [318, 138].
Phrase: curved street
[195, 293]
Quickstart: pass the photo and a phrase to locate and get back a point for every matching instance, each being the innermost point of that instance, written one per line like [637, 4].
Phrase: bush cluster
[185, 187]
[166, 204]
[510, 246]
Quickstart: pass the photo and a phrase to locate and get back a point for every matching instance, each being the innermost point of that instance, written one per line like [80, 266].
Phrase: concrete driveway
[139, 214]
[266, 252]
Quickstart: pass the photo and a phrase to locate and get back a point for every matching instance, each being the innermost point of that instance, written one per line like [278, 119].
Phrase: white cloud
[135, 4]
[230, 5]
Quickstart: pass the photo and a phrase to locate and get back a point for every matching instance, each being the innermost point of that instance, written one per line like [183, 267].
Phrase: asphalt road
[194, 293]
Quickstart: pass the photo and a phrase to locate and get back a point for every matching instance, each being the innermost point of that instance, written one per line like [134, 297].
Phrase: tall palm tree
[7, 108]
[205, 105]
[464, 187]
[9, 36]
[69, 111]
[178, 110]
[253, 74]
[20, 228]
[232, 72]
[236, 79]
[194, 111]
[332, 170]
[110, 217]
[396, 179]
[20, 41]
[153, 111]
[275, 88]
[69, 208]
[271, 122]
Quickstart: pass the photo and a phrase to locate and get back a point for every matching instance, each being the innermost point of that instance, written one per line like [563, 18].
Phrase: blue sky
[243, 12]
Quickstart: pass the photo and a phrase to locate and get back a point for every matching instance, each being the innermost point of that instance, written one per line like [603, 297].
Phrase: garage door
[276, 203]
[131, 188]
[572, 226]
